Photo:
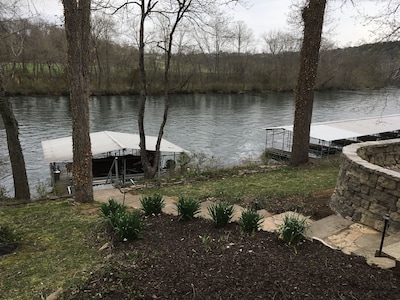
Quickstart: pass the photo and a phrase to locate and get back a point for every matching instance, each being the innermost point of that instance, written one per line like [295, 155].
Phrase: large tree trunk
[77, 28]
[313, 17]
[21, 186]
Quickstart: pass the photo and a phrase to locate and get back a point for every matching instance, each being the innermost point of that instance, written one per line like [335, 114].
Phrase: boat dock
[328, 138]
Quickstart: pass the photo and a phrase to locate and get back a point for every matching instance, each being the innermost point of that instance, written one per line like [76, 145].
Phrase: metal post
[386, 218]
[116, 170]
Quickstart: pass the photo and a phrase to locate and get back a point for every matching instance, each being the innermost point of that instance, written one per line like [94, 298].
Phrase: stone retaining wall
[368, 185]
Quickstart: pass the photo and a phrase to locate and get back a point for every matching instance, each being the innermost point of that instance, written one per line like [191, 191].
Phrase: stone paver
[352, 238]
[333, 231]
[394, 238]
[269, 224]
[204, 210]
[237, 213]
[392, 250]
[382, 262]
[367, 244]
[327, 227]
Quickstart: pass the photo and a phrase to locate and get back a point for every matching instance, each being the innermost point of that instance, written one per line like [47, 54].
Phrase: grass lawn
[237, 187]
[54, 249]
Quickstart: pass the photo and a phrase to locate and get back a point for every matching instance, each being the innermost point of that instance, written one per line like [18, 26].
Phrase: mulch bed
[194, 260]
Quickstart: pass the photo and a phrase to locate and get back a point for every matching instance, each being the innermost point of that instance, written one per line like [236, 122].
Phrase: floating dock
[328, 138]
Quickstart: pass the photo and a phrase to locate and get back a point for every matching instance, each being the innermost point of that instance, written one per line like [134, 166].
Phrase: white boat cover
[338, 130]
[60, 149]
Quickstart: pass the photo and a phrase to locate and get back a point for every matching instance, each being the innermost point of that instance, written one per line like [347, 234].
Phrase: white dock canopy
[346, 129]
[60, 149]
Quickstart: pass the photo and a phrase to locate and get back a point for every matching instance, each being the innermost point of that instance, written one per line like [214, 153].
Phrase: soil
[315, 206]
[195, 260]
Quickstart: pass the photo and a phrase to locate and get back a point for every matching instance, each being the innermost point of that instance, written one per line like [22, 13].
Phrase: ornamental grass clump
[152, 205]
[221, 213]
[126, 225]
[112, 210]
[187, 208]
[250, 221]
[293, 229]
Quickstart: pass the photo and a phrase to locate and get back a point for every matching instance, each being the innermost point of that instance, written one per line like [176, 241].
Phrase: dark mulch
[194, 260]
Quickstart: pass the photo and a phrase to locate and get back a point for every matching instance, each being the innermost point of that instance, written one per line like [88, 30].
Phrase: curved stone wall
[368, 186]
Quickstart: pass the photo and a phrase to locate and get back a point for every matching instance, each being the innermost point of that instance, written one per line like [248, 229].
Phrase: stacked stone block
[368, 185]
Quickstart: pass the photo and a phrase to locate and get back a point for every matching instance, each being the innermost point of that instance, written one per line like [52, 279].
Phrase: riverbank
[59, 239]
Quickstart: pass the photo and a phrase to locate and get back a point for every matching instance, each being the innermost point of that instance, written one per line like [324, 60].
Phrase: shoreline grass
[276, 183]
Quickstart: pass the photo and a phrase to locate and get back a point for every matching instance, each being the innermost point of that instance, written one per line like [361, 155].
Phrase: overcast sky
[346, 21]
[271, 15]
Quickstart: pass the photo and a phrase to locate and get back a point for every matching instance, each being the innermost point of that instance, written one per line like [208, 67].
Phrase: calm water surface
[228, 127]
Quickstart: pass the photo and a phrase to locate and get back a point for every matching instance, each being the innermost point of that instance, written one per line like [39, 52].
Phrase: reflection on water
[228, 127]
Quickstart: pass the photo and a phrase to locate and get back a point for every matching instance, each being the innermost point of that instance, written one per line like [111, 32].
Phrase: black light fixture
[386, 218]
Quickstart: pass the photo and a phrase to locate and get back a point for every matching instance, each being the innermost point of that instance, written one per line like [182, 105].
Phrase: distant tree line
[38, 60]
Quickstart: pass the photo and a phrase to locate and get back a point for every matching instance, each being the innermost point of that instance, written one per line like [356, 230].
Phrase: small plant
[187, 208]
[112, 210]
[221, 213]
[293, 229]
[126, 225]
[259, 202]
[8, 239]
[152, 204]
[3, 194]
[7, 235]
[250, 220]
[41, 189]
[206, 241]
[183, 161]
[265, 157]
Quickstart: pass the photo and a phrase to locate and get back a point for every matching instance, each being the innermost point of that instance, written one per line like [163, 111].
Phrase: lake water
[228, 127]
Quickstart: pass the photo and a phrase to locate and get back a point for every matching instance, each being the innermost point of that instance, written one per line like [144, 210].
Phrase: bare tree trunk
[313, 17]
[147, 168]
[77, 27]
[21, 186]
[151, 167]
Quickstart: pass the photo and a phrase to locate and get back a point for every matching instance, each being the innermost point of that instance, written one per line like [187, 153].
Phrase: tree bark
[77, 28]
[147, 167]
[313, 18]
[21, 186]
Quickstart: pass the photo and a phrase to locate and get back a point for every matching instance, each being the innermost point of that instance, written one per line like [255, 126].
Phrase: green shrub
[7, 235]
[112, 210]
[187, 208]
[183, 161]
[152, 204]
[293, 229]
[126, 225]
[221, 213]
[250, 220]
